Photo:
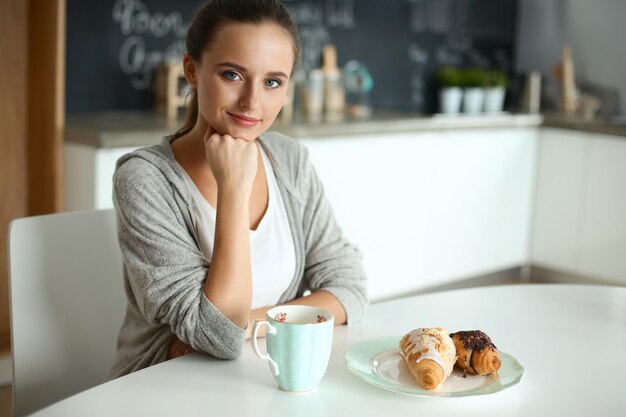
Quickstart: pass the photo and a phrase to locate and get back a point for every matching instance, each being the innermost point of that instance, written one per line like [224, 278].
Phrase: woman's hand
[233, 161]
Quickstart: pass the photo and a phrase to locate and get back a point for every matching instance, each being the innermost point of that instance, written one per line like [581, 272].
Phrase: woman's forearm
[229, 280]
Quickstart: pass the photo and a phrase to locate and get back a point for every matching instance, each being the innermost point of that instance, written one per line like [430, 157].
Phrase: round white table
[571, 340]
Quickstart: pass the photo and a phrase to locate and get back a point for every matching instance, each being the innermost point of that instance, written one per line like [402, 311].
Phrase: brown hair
[209, 19]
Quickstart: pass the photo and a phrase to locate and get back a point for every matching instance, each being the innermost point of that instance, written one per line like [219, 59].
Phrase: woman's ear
[189, 67]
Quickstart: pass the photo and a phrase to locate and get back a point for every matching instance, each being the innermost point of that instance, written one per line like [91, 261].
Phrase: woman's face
[242, 79]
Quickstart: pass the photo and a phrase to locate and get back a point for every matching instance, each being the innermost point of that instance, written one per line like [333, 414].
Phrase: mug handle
[255, 347]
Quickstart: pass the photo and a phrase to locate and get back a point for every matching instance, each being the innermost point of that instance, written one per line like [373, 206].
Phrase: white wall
[595, 29]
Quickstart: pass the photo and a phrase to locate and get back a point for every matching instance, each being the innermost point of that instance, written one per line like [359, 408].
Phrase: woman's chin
[248, 135]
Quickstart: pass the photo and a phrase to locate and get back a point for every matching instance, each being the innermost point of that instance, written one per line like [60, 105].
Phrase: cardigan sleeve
[332, 263]
[164, 268]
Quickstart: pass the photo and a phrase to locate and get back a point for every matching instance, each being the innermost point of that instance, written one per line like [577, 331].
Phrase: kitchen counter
[132, 129]
[586, 125]
[115, 130]
[388, 122]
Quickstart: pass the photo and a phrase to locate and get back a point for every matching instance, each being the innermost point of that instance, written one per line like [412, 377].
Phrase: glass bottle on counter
[334, 93]
[312, 96]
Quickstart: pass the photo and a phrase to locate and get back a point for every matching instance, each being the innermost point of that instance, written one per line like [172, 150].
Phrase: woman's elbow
[228, 354]
[221, 347]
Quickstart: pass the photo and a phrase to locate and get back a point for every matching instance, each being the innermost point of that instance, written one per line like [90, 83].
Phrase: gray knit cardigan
[165, 270]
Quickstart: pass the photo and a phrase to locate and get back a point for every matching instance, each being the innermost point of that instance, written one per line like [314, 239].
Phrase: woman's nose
[249, 97]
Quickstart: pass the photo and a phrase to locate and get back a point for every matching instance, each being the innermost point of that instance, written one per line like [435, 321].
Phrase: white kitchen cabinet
[579, 224]
[430, 208]
[559, 191]
[602, 243]
[88, 175]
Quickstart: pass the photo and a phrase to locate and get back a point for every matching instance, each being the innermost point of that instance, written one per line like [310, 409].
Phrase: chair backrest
[67, 304]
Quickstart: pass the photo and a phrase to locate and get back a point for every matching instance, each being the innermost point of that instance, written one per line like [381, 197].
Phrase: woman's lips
[244, 120]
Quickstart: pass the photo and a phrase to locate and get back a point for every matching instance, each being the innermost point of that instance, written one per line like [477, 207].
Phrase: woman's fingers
[233, 161]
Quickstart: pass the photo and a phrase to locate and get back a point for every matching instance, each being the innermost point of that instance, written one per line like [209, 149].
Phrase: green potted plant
[496, 83]
[474, 90]
[450, 81]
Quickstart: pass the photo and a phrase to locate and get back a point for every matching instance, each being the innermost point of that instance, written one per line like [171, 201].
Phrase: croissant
[430, 354]
[476, 352]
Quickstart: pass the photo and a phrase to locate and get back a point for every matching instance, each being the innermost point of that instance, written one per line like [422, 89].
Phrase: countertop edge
[582, 125]
[118, 130]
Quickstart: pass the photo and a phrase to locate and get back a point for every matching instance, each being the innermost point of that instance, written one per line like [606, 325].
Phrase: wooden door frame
[32, 118]
[46, 105]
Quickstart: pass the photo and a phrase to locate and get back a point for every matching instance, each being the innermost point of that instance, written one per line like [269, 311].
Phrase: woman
[221, 221]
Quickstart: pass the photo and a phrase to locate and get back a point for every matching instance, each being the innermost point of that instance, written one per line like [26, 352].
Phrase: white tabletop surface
[571, 340]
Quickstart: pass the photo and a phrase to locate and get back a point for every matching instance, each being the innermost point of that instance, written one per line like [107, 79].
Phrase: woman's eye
[231, 75]
[273, 83]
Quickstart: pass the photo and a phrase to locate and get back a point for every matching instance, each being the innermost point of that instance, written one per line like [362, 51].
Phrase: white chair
[67, 304]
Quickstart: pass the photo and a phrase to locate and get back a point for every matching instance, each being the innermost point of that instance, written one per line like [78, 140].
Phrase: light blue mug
[299, 340]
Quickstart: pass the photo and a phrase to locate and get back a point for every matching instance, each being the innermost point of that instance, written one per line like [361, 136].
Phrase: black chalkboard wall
[113, 46]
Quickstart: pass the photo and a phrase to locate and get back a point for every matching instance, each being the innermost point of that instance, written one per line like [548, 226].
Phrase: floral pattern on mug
[281, 316]
[321, 319]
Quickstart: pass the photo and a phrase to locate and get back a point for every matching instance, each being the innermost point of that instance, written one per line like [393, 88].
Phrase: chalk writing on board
[314, 19]
[444, 56]
[309, 16]
[137, 23]
[477, 59]
[134, 18]
[501, 60]
[453, 50]
[140, 64]
[306, 13]
[418, 57]
[313, 40]
[434, 16]
[340, 14]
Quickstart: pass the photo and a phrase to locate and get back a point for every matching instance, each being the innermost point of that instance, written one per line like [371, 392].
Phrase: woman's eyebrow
[243, 69]
[232, 65]
[278, 74]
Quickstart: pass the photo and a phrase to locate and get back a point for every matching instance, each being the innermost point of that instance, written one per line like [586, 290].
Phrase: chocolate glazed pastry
[476, 352]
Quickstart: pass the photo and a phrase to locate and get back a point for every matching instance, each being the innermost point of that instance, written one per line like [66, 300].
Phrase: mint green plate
[378, 361]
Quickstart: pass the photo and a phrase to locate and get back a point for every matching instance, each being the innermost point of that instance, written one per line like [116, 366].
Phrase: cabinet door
[88, 176]
[580, 210]
[377, 186]
[480, 203]
[79, 172]
[558, 198]
[106, 159]
[602, 244]
[429, 208]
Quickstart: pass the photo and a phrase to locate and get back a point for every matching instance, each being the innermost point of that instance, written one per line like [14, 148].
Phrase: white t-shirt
[272, 252]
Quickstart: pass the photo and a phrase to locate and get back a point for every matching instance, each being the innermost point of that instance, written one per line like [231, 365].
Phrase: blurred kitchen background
[401, 43]
[114, 47]
[500, 126]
